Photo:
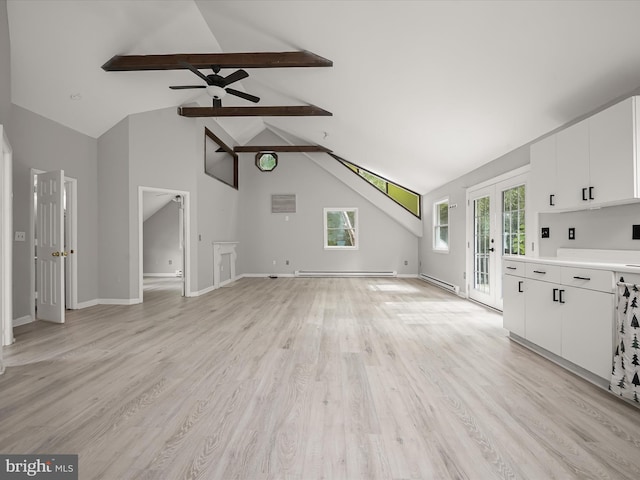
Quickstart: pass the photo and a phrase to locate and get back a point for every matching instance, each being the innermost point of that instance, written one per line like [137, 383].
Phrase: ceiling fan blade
[182, 87]
[246, 96]
[196, 71]
[234, 77]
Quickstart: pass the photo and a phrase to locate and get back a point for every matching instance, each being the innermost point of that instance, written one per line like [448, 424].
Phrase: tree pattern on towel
[625, 376]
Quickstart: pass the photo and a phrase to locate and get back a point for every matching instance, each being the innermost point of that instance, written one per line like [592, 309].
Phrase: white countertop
[627, 261]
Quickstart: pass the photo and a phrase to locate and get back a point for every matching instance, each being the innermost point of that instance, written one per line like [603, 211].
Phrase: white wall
[5, 64]
[607, 228]
[161, 241]
[264, 236]
[218, 212]
[40, 143]
[451, 266]
[113, 217]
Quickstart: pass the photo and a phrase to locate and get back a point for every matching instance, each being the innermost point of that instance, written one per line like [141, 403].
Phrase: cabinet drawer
[600, 280]
[540, 271]
[510, 267]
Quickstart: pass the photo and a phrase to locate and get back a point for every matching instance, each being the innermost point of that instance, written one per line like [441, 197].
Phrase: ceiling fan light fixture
[216, 92]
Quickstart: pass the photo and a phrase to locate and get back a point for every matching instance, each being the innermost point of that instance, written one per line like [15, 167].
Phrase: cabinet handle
[511, 268]
[561, 296]
[582, 278]
[520, 287]
[584, 194]
[591, 197]
[555, 294]
[540, 272]
[552, 199]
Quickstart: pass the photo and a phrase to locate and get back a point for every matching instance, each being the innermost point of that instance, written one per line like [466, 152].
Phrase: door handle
[582, 278]
[584, 194]
[555, 294]
[492, 249]
[539, 271]
[56, 254]
[591, 197]
[520, 287]
[511, 268]
[561, 299]
[552, 199]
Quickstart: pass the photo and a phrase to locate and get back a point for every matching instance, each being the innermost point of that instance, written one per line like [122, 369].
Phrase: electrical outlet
[635, 234]
[286, 262]
[20, 237]
[170, 262]
[545, 233]
[572, 233]
[406, 262]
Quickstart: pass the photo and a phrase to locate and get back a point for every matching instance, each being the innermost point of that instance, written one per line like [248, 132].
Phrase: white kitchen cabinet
[587, 336]
[567, 310]
[543, 315]
[543, 175]
[612, 153]
[572, 157]
[513, 306]
[596, 162]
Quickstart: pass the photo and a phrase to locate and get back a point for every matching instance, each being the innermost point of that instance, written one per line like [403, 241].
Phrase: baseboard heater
[441, 283]
[335, 273]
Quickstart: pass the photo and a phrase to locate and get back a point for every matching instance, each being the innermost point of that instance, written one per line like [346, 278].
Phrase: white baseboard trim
[265, 275]
[204, 291]
[408, 275]
[22, 320]
[87, 304]
[161, 275]
[119, 301]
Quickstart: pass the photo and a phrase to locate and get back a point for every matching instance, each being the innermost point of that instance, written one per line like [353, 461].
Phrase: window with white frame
[441, 225]
[341, 228]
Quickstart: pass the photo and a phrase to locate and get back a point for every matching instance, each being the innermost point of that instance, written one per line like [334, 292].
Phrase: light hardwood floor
[304, 379]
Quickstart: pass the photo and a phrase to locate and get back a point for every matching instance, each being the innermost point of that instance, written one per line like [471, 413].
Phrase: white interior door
[50, 250]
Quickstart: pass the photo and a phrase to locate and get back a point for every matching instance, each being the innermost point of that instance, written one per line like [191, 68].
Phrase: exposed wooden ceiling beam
[280, 148]
[282, 111]
[302, 58]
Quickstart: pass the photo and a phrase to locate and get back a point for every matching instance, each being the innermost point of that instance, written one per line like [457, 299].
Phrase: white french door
[497, 221]
[484, 281]
[50, 252]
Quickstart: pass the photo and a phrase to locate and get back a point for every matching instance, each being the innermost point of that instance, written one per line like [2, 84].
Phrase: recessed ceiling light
[75, 96]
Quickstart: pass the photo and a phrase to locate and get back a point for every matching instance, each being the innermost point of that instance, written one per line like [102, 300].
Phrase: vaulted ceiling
[421, 91]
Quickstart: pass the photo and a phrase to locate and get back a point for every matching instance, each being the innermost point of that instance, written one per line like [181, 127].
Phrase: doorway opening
[69, 250]
[164, 251]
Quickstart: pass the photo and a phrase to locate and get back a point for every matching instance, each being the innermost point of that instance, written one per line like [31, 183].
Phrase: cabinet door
[587, 329]
[543, 324]
[513, 318]
[542, 177]
[611, 146]
[572, 155]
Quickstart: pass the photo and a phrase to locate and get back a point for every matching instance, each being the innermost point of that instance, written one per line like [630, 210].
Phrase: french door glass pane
[482, 217]
[513, 226]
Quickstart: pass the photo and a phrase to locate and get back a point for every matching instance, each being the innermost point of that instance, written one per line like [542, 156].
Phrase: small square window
[341, 228]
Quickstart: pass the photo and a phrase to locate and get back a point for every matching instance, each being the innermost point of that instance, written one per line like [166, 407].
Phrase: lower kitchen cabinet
[573, 322]
[587, 329]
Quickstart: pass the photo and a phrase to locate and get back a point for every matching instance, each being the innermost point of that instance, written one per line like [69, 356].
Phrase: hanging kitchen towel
[625, 377]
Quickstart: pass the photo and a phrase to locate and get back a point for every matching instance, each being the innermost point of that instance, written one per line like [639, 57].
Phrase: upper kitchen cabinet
[572, 156]
[613, 150]
[543, 175]
[595, 161]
